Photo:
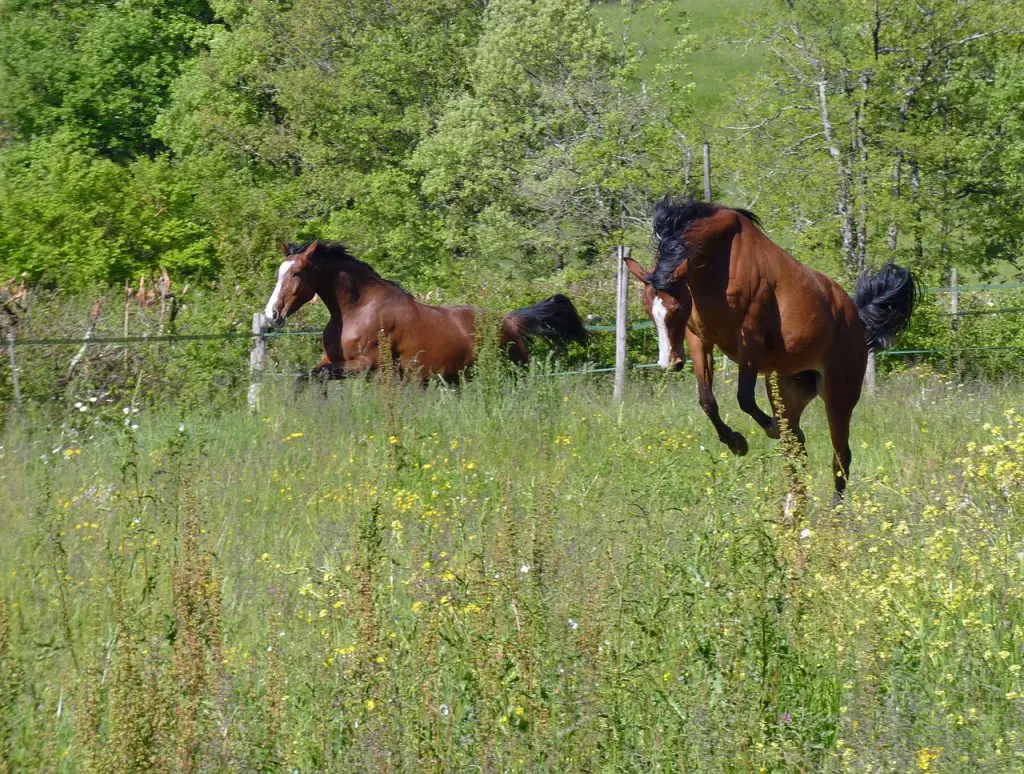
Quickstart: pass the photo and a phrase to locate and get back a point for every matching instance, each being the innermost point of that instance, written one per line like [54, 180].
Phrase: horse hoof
[738, 444]
[772, 431]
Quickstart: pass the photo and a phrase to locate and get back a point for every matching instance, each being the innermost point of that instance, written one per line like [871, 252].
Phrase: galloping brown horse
[429, 340]
[719, 281]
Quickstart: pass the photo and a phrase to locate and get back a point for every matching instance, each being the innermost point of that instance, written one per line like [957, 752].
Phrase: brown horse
[428, 340]
[719, 281]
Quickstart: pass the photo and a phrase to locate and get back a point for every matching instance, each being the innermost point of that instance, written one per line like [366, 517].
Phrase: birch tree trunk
[844, 206]
[863, 188]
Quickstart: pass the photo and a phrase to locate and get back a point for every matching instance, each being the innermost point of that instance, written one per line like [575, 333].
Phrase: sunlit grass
[512, 576]
[724, 53]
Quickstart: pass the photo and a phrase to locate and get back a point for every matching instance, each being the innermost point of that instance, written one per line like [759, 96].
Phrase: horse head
[296, 283]
[669, 310]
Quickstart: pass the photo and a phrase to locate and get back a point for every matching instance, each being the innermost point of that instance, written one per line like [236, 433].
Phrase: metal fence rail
[261, 335]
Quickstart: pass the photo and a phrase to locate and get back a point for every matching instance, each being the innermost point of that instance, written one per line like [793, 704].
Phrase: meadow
[521, 575]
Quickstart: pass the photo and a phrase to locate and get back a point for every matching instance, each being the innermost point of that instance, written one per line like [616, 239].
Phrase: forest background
[496, 150]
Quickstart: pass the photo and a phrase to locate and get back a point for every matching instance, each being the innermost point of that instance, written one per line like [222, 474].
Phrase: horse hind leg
[789, 395]
[516, 351]
[841, 393]
[513, 343]
[795, 392]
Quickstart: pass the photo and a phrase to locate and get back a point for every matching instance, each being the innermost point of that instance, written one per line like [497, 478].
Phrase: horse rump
[554, 319]
[885, 301]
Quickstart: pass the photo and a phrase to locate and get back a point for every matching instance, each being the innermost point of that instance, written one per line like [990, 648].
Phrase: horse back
[802, 312]
[439, 340]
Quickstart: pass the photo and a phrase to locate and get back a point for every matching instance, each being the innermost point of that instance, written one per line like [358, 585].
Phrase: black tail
[885, 302]
[554, 319]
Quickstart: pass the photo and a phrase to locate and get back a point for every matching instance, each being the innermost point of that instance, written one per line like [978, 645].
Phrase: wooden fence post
[14, 369]
[869, 374]
[257, 359]
[707, 171]
[954, 297]
[707, 198]
[621, 296]
[954, 312]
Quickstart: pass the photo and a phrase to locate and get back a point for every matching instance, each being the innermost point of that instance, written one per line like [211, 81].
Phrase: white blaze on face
[282, 272]
[659, 313]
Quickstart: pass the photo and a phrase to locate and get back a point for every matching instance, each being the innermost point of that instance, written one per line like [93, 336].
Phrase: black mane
[336, 252]
[672, 218]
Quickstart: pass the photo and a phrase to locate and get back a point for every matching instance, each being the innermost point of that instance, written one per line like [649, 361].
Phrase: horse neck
[709, 269]
[345, 289]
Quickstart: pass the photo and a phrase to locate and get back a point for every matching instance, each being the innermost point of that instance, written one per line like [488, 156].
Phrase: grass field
[515, 577]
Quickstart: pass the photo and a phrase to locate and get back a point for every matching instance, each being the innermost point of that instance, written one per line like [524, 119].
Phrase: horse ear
[636, 270]
[283, 247]
[680, 270]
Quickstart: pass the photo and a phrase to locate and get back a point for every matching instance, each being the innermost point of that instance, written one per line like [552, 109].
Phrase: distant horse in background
[428, 340]
[719, 281]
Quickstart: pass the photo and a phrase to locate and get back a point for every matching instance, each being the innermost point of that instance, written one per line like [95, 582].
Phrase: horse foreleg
[322, 372]
[359, 364]
[702, 355]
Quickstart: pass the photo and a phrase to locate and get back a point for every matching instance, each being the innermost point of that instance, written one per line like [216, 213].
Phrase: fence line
[644, 366]
[272, 334]
[988, 286]
[261, 334]
[170, 337]
[972, 312]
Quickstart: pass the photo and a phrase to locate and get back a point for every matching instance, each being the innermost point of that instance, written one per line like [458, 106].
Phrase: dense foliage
[516, 138]
[885, 129]
[489, 151]
[427, 133]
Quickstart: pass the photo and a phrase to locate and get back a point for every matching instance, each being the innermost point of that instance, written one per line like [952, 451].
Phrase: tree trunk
[862, 160]
[892, 238]
[843, 207]
[915, 192]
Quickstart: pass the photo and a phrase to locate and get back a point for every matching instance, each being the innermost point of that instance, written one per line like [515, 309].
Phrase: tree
[555, 148]
[73, 219]
[310, 112]
[95, 71]
[866, 113]
[84, 194]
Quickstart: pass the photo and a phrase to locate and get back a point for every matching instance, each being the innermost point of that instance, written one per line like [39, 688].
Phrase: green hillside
[724, 52]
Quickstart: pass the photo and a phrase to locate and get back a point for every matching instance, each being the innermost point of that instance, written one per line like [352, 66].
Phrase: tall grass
[519, 575]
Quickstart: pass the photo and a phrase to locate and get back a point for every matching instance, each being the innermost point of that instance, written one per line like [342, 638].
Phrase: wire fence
[258, 371]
